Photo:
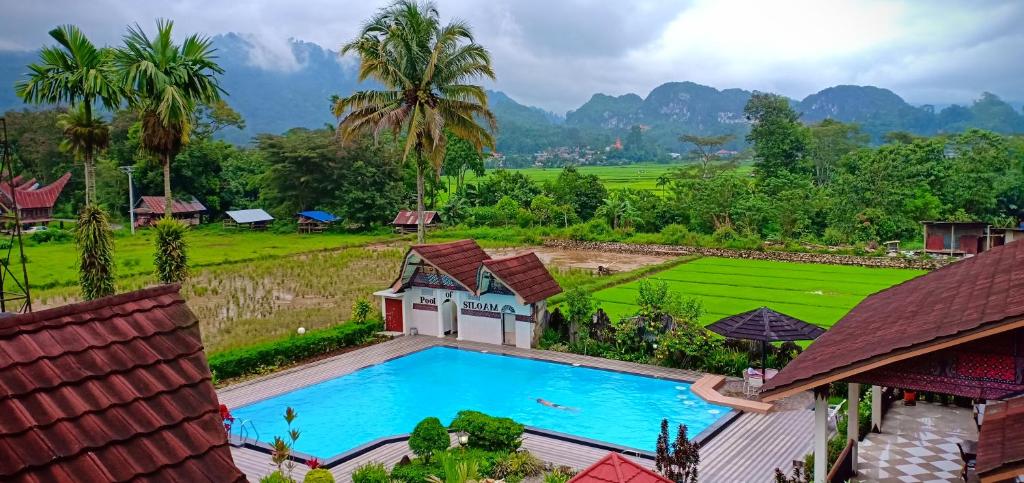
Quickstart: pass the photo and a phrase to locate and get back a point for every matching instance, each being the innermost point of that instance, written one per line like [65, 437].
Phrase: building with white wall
[456, 289]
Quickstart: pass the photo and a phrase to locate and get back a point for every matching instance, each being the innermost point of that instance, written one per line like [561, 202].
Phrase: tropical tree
[705, 147]
[78, 73]
[425, 70]
[171, 258]
[165, 83]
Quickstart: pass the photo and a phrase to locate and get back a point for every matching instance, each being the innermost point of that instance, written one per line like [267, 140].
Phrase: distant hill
[298, 95]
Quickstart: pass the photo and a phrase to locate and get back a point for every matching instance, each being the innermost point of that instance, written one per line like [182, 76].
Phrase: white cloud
[556, 54]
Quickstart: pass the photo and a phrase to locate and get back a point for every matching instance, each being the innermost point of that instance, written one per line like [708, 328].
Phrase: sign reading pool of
[388, 399]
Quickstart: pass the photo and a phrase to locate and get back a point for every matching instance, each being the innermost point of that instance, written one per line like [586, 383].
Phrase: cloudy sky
[556, 53]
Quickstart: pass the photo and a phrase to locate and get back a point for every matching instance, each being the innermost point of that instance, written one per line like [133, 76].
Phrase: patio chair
[969, 462]
[833, 414]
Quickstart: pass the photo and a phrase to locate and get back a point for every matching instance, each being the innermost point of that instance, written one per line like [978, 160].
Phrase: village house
[35, 202]
[962, 238]
[456, 289]
[150, 209]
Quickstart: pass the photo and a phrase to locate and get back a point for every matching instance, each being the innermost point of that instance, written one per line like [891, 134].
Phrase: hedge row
[268, 355]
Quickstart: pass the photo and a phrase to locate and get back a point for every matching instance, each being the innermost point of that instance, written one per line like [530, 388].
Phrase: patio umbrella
[765, 325]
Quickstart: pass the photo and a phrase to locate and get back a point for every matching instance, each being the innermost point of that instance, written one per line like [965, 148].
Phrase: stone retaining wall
[673, 250]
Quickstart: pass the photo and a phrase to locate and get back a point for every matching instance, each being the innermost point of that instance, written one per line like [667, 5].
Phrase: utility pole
[131, 196]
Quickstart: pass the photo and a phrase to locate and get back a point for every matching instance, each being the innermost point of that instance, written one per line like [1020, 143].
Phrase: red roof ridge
[21, 320]
[617, 462]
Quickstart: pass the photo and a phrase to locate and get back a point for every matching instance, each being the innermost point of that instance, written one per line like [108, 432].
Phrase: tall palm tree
[165, 83]
[425, 70]
[78, 73]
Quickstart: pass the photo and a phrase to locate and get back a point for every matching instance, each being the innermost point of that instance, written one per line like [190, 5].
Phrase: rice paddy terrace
[817, 293]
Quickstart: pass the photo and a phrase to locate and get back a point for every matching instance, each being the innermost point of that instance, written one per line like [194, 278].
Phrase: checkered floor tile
[918, 444]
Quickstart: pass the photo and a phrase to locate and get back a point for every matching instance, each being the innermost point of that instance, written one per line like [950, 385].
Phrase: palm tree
[76, 72]
[425, 70]
[165, 84]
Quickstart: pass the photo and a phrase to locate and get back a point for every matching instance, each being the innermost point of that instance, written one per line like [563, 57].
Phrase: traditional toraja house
[253, 219]
[457, 289]
[958, 330]
[617, 469]
[315, 221]
[406, 221]
[115, 389]
[150, 209]
[35, 202]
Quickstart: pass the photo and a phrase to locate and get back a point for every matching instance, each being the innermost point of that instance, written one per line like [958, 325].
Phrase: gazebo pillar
[853, 420]
[876, 409]
[820, 433]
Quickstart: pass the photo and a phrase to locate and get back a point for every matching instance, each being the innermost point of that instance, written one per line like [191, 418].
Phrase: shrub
[557, 476]
[361, 310]
[48, 236]
[415, 472]
[96, 253]
[517, 466]
[255, 358]
[275, 477]
[489, 432]
[321, 475]
[429, 436]
[171, 251]
[369, 473]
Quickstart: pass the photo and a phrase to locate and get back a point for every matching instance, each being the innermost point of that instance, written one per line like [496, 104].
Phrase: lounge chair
[833, 414]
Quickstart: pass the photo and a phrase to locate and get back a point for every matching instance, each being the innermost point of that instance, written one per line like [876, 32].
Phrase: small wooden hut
[149, 210]
[253, 219]
[315, 221]
[35, 202]
[406, 221]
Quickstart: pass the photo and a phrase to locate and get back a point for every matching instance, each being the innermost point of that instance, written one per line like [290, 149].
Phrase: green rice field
[636, 176]
[817, 293]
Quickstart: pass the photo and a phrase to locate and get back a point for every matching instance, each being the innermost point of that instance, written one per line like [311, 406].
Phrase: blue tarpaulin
[321, 216]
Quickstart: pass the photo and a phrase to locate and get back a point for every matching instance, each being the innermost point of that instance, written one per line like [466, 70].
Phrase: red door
[393, 315]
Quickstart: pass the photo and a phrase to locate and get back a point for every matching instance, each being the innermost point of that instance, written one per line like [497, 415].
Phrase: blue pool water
[390, 398]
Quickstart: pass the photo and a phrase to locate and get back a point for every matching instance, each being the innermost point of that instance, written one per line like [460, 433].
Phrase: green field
[56, 264]
[636, 176]
[820, 294]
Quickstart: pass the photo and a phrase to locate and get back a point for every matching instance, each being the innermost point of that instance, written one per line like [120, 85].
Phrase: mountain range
[297, 94]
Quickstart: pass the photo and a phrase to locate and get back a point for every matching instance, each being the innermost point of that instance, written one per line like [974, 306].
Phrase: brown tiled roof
[155, 204]
[114, 389]
[27, 198]
[406, 217]
[764, 324]
[459, 259]
[1001, 441]
[617, 469]
[978, 293]
[526, 275]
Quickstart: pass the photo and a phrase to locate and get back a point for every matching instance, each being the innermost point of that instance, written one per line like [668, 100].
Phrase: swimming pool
[388, 399]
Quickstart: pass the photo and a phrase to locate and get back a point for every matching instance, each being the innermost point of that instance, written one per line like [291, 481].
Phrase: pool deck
[748, 449]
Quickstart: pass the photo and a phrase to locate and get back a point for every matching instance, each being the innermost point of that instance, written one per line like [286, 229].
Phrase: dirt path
[587, 260]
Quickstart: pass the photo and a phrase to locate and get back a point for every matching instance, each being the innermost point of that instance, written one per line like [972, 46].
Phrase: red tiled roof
[459, 259]
[526, 275]
[155, 204]
[981, 292]
[44, 197]
[617, 469]
[1001, 441]
[406, 217]
[114, 389]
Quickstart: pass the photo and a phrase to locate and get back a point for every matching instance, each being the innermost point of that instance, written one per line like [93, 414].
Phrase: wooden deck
[747, 450]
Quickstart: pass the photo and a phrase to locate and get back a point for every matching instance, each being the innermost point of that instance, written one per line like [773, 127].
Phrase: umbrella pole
[764, 357]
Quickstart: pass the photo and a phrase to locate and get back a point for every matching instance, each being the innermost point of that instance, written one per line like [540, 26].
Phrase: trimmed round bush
[429, 436]
[488, 432]
[321, 475]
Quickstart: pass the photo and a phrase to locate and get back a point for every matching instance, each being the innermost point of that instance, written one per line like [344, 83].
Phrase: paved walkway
[747, 450]
[918, 444]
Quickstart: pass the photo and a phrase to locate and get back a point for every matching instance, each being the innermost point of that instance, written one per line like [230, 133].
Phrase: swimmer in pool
[555, 405]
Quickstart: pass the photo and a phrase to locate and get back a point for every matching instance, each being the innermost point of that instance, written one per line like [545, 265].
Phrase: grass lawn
[817, 293]
[56, 264]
